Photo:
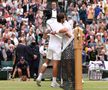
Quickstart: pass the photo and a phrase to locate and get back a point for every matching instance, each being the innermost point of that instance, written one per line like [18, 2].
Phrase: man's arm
[14, 59]
[28, 72]
[64, 31]
[68, 34]
[14, 73]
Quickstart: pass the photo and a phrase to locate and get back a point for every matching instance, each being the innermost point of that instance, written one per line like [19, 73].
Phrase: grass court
[31, 85]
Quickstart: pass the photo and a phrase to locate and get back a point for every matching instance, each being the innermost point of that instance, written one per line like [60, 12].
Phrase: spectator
[97, 11]
[31, 16]
[14, 39]
[90, 15]
[20, 10]
[30, 37]
[75, 15]
[83, 13]
[54, 8]
[10, 52]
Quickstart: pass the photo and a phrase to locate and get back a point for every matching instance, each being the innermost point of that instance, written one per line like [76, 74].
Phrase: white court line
[21, 87]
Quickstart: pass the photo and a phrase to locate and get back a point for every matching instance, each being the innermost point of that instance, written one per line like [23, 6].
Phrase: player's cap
[22, 58]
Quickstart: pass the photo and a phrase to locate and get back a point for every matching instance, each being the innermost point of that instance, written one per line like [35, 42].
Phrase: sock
[61, 81]
[54, 79]
[40, 76]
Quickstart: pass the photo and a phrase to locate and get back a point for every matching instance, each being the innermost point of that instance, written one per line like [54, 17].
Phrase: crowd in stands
[21, 22]
[92, 17]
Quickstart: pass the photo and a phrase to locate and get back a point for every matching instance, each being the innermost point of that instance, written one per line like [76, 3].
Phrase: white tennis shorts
[53, 55]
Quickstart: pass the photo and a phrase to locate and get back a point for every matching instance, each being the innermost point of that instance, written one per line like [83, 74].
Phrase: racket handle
[56, 36]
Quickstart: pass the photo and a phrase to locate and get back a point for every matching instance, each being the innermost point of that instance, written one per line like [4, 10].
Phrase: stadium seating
[6, 69]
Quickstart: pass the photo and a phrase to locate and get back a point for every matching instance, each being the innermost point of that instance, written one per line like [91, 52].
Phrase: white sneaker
[19, 79]
[82, 81]
[38, 82]
[55, 84]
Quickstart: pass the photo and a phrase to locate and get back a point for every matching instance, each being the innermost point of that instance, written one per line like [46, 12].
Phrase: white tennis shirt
[55, 43]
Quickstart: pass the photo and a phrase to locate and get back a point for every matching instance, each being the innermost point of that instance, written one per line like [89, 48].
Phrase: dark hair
[54, 1]
[60, 16]
[107, 40]
[98, 58]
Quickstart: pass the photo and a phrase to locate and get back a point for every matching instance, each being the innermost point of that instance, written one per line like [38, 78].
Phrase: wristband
[57, 31]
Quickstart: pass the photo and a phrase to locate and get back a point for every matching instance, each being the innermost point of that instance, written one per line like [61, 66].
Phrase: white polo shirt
[68, 26]
[66, 40]
[55, 43]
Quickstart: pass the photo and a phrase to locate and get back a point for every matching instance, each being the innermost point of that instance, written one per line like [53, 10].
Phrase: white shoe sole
[55, 85]
[38, 82]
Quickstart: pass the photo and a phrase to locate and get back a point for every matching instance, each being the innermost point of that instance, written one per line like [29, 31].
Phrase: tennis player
[54, 48]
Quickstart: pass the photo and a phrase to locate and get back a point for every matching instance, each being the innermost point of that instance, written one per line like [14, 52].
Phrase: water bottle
[34, 76]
